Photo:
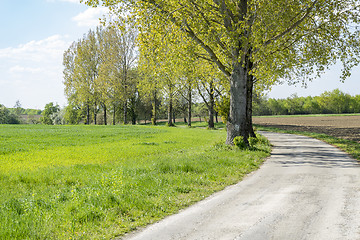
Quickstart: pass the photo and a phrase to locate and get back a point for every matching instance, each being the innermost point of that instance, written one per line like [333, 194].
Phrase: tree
[6, 117]
[73, 114]
[256, 40]
[117, 80]
[335, 101]
[209, 85]
[277, 106]
[49, 111]
[99, 71]
[162, 74]
[81, 62]
[18, 108]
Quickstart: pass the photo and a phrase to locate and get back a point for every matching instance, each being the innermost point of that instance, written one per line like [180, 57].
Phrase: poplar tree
[259, 40]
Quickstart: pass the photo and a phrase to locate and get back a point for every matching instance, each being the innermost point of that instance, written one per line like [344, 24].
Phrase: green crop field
[98, 182]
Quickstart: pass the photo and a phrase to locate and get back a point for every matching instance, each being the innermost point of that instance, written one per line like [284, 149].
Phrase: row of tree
[54, 115]
[105, 73]
[242, 43]
[329, 102]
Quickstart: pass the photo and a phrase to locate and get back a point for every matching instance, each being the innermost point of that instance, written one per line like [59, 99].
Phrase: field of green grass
[98, 182]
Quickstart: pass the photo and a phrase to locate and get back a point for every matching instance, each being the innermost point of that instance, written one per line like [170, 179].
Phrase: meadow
[99, 182]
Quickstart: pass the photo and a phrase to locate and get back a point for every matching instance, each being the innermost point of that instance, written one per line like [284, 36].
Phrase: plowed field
[346, 127]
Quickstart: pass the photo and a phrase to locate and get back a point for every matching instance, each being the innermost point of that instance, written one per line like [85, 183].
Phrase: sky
[35, 34]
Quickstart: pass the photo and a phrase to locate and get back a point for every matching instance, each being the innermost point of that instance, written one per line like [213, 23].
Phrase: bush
[6, 117]
[240, 142]
[50, 109]
[253, 141]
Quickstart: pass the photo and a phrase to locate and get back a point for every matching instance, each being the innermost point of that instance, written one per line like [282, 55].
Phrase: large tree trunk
[249, 123]
[249, 94]
[236, 124]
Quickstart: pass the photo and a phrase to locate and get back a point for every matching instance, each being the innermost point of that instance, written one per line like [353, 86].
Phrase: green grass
[98, 182]
[351, 147]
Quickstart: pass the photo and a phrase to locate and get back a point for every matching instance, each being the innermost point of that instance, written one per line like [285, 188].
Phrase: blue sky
[329, 81]
[35, 33]
[34, 36]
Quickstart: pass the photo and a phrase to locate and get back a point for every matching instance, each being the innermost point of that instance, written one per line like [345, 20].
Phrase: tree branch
[293, 26]
[188, 30]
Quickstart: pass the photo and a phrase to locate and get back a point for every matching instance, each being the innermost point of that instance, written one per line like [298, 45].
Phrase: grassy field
[98, 182]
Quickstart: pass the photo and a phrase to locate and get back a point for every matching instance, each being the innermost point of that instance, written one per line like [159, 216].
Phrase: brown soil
[346, 127]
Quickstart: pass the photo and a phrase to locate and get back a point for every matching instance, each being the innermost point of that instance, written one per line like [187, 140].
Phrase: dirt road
[306, 190]
[346, 127]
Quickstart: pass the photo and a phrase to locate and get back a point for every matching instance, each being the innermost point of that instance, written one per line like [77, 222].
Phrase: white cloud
[37, 51]
[32, 72]
[90, 17]
[20, 69]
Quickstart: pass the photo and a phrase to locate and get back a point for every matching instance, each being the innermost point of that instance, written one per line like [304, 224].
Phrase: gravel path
[306, 190]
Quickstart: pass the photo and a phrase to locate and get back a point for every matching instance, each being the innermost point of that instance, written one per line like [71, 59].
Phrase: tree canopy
[253, 41]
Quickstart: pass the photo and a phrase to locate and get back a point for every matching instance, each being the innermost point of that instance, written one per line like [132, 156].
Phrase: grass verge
[350, 147]
[98, 182]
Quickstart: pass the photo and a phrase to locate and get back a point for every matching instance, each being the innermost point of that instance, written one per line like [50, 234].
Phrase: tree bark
[211, 106]
[105, 114]
[87, 114]
[125, 112]
[236, 123]
[170, 112]
[189, 105]
[114, 114]
[154, 112]
[249, 96]
[95, 114]
[133, 119]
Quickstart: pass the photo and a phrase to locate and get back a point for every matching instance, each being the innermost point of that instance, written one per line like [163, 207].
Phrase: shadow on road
[312, 156]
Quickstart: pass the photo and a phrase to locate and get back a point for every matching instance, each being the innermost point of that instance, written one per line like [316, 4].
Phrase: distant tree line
[329, 102]
[18, 114]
